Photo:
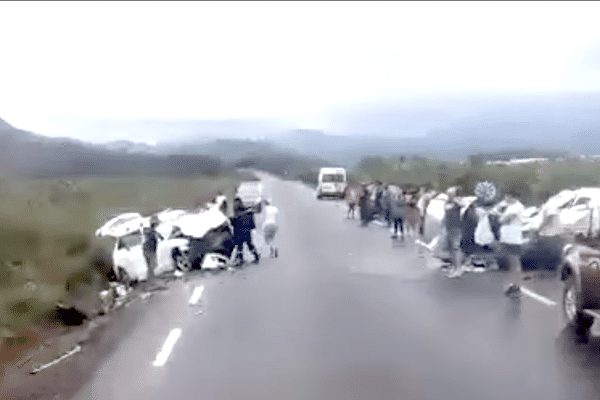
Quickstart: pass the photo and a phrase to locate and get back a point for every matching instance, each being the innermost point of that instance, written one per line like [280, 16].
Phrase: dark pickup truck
[580, 272]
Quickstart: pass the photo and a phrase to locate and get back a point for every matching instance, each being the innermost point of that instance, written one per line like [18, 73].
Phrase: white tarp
[511, 221]
[483, 232]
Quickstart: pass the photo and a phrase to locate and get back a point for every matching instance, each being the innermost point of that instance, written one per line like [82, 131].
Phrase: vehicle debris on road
[68, 354]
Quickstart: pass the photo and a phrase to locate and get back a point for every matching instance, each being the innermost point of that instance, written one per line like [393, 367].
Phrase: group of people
[478, 226]
[472, 227]
[390, 202]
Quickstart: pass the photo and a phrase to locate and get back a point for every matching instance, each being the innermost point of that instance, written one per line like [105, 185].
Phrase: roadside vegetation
[531, 183]
[48, 250]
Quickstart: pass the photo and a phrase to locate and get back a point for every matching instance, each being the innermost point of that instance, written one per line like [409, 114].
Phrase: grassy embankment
[48, 251]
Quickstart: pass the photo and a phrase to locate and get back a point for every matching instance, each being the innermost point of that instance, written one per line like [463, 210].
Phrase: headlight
[594, 266]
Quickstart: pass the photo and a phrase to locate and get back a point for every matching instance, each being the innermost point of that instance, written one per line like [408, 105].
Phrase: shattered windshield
[131, 240]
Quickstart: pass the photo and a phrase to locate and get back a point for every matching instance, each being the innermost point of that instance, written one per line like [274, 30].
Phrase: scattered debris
[178, 274]
[144, 296]
[5, 332]
[21, 365]
[35, 370]
[30, 286]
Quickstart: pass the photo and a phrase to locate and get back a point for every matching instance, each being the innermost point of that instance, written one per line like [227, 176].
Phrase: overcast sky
[295, 60]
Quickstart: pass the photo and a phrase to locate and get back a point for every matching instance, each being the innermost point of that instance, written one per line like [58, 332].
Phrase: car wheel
[573, 312]
[183, 262]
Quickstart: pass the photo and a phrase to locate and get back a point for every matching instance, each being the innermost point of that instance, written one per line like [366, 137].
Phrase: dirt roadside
[41, 372]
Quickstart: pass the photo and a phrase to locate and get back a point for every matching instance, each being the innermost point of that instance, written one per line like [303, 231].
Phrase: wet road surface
[342, 314]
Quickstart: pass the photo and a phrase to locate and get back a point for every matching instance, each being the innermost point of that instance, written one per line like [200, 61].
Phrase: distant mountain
[32, 155]
[535, 124]
[5, 125]
[127, 146]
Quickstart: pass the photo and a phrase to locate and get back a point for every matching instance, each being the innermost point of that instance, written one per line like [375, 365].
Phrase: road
[342, 314]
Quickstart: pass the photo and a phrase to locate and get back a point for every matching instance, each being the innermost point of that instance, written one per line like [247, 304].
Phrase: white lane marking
[537, 297]
[196, 295]
[161, 357]
[59, 359]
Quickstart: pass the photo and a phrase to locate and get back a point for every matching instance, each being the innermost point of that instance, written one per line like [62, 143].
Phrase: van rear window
[333, 178]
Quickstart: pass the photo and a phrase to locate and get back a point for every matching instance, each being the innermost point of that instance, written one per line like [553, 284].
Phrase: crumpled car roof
[191, 223]
[122, 224]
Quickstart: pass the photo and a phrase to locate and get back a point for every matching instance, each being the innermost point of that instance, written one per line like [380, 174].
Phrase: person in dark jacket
[243, 224]
[151, 237]
[453, 225]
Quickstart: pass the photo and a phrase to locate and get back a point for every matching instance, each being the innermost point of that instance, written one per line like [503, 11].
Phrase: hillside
[32, 155]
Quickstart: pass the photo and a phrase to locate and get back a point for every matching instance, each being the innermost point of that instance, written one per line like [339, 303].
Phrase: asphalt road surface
[342, 314]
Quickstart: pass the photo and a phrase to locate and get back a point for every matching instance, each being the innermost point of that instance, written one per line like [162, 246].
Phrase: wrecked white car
[185, 238]
[250, 192]
[571, 213]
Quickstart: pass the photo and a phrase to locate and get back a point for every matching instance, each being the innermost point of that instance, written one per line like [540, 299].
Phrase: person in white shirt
[270, 225]
[510, 212]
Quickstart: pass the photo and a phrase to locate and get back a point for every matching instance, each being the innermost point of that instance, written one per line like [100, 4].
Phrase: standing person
[149, 248]
[511, 240]
[452, 222]
[397, 207]
[270, 225]
[243, 224]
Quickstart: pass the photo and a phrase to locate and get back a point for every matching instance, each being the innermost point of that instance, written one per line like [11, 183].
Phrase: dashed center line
[535, 296]
[196, 295]
[161, 357]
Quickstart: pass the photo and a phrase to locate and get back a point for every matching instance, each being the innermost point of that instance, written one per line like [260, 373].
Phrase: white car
[571, 212]
[250, 192]
[181, 244]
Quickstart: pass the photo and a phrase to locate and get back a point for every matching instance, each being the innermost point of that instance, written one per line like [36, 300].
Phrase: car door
[129, 256]
[165, 249]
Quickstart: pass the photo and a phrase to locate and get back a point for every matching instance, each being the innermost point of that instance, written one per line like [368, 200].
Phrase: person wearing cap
[270, 225]
[452, 223]
[243, 224]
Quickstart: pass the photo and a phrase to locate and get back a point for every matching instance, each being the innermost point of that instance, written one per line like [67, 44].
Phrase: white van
[332, 182]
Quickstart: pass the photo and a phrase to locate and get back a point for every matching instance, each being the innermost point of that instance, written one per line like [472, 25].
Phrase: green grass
[531, 183]
[47, 233]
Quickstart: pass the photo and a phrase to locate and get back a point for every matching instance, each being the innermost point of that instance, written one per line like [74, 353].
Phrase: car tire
[123, 277]
[183, 261]
[573, 313]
